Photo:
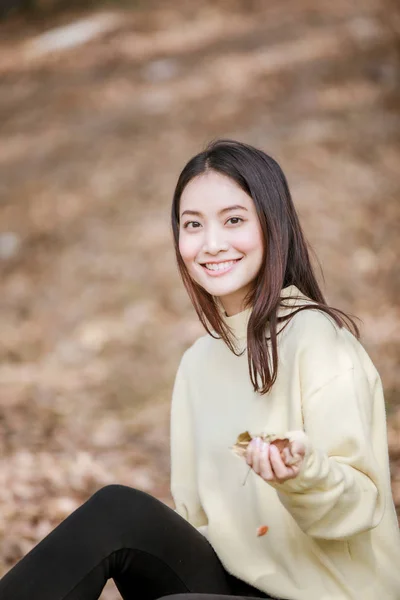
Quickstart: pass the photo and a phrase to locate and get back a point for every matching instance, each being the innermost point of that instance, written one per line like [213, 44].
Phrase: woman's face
[220, 238]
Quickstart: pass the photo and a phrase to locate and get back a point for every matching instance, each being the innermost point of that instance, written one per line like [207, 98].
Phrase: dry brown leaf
[284, 445]
[241, 443]
[262, 530]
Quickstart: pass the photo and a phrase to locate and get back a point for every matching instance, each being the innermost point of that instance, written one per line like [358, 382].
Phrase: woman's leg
[243, 596]
[123, 533]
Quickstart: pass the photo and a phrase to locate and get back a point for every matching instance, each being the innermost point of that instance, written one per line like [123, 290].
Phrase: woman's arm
[183, 464]
[340, 490]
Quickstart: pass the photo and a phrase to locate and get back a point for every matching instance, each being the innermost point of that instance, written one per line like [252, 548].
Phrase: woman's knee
[118, 496]
[182, 596]
[195, 596]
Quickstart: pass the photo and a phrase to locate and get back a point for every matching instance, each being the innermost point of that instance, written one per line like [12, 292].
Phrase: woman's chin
[221, 291]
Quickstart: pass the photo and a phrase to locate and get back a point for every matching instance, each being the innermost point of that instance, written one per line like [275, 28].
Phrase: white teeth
[220, 266]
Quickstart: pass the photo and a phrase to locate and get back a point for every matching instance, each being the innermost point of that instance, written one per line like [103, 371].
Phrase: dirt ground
[93, 317]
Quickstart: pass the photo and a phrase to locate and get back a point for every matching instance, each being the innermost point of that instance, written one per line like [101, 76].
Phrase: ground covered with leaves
[93, 317]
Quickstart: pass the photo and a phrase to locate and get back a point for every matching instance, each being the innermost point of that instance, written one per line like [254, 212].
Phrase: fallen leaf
[262, 530]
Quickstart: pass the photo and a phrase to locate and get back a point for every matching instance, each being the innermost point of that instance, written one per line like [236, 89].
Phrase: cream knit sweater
[333, 532]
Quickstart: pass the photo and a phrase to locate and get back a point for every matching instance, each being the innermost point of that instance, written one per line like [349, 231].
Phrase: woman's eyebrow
[196, 213]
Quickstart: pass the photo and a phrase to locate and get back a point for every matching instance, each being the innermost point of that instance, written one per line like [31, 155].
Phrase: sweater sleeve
[340, 490]
[183, 461]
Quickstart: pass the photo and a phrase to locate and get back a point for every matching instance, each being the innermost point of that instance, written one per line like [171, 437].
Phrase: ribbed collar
[238, 323]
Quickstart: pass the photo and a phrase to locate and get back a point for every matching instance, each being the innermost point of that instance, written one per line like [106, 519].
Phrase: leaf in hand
[241, 444]
[285, 446]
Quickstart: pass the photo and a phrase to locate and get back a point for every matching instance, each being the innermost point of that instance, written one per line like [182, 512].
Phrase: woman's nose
[214, 242]
[215, 245]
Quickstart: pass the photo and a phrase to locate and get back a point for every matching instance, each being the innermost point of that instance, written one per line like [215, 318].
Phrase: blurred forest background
[101, 104]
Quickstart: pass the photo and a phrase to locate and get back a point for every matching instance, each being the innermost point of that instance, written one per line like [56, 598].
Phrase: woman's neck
[234, 304]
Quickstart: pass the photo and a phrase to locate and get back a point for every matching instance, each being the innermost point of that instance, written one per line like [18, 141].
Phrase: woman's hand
[266, 460]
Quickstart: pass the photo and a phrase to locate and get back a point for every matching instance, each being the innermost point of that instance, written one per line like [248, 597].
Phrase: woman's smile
[216, 269]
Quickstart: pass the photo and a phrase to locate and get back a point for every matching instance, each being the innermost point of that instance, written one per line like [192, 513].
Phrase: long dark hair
[286, 259]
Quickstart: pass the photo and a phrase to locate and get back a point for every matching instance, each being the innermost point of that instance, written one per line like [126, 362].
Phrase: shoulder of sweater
[314, 320]
[198, 349]
[314, 331]
[313, 324]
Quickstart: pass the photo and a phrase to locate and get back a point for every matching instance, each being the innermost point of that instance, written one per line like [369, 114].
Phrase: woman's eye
[235, 220]
[195, 225]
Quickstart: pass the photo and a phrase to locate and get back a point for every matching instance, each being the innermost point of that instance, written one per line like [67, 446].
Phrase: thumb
[299, 444]
[298, 447]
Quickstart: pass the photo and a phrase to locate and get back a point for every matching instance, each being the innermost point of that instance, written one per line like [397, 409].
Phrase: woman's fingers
[253, 454]
[266, 469]
[266, 460]
[298, 447]
[281, 471]
[278, 466]
[249, 453]
[256, 447]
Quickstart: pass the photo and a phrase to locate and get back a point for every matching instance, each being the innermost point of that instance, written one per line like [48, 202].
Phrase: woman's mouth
[220, 268]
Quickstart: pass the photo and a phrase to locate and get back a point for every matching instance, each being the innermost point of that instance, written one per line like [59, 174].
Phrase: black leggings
[126, 534]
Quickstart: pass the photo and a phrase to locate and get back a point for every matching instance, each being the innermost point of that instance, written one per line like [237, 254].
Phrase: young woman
[276, 361]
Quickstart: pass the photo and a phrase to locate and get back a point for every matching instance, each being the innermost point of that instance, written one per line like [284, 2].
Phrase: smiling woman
[223, 249]
[242, 255]
[231, 181]
[280, 373]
